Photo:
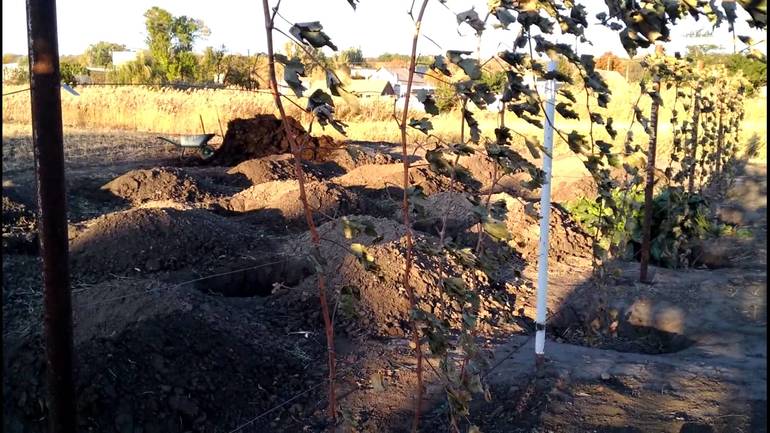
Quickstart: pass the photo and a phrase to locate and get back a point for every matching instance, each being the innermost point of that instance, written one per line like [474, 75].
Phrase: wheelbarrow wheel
[207, 151]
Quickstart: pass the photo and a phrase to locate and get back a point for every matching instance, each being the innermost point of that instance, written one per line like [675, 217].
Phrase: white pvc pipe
[545, 216]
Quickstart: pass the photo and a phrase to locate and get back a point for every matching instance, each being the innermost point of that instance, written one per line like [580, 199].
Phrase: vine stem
[648, 189]
[405, 211]
[315, 237]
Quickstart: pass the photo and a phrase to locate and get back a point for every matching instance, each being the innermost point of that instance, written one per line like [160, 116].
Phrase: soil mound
[156, 184]
[19, 228]
[353, 156]
[566, 240]
[153, 239]
[168, 360]
[282, 197]
[373, 177]
[374, 302]
[263, 135]
[281, 167]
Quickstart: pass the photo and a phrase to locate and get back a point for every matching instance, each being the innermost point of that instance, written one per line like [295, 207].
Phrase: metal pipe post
[545, 217]
[47, 138]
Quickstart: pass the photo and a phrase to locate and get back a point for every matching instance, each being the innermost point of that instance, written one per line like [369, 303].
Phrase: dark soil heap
[373, 302]
[263, 135]
[19, 228]
[165, 183]
[153, 240]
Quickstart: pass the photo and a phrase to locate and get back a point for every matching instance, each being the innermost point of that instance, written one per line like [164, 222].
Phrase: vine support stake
[48, 145]
[545, 217]
[315, 237]
[405, 212]
[694, 143]
[649, 185]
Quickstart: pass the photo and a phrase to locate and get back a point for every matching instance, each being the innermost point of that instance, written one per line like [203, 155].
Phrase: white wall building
[398, 78]
[122, 57]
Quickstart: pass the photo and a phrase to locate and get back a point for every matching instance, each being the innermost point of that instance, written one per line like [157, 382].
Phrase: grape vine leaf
[427, 101]
[311, 33]
[423, 125]
[471, 17]
[292, 70]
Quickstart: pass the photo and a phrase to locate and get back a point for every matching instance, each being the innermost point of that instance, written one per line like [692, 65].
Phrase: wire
[16, 91]
[183, 283]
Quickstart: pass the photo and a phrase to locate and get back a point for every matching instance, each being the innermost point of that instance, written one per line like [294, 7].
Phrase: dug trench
[194, 314]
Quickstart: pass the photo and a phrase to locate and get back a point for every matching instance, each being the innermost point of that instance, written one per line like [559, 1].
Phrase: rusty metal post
[649, 186]
[48, 143]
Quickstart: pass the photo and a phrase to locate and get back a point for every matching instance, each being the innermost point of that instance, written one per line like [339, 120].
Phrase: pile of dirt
[373, 302]
[567, 241]
[153, 239]
[483, 170]
[263, 135]
[379, 177]
[156, 184]
[281, 167]
[281, 199]
[353, 156]
[177, 364]
[19, 228]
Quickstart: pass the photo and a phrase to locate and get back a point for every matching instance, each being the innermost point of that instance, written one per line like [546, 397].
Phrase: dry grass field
[167, 111]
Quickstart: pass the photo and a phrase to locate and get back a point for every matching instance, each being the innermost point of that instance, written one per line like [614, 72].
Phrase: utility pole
[47, 140]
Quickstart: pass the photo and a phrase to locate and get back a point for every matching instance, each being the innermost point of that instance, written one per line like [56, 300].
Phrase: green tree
[211, 64]
[70, 70]
[100, 53]
[351, 56]
[311, 60]
[170, 40]
[139, 71]
[495, 80]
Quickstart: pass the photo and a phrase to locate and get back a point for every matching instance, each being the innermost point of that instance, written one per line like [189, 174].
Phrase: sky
[377, 26]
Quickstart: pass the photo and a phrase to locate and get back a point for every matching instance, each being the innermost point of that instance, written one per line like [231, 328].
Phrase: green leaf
[321, 105]
[439, 65]
[423, 125]
[497, 230]
[352, 228]
[470, 66]
[427, 101]
[363, 256]
[473, 125]
[565, 111]
[311, 33]
[576, 142]
[533, 146]
[292, 70]
[471, 17]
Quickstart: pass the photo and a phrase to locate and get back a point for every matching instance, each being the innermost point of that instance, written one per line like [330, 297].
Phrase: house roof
[402, 75]
[378, 87]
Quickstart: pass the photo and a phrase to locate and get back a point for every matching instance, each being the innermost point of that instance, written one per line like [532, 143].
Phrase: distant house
[398, 78]
[362, 73]
[123, 57]
[371, 88]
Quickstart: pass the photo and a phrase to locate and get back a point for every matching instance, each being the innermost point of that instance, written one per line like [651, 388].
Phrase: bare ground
[195, 311]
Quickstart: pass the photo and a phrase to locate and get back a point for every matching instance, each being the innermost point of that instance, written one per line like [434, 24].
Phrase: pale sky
[377, 26]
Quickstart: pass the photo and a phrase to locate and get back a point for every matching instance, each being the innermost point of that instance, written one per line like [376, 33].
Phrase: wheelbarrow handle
[170, 141]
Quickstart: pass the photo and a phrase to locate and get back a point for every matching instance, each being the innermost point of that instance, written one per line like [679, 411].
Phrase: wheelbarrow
[199, 141]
